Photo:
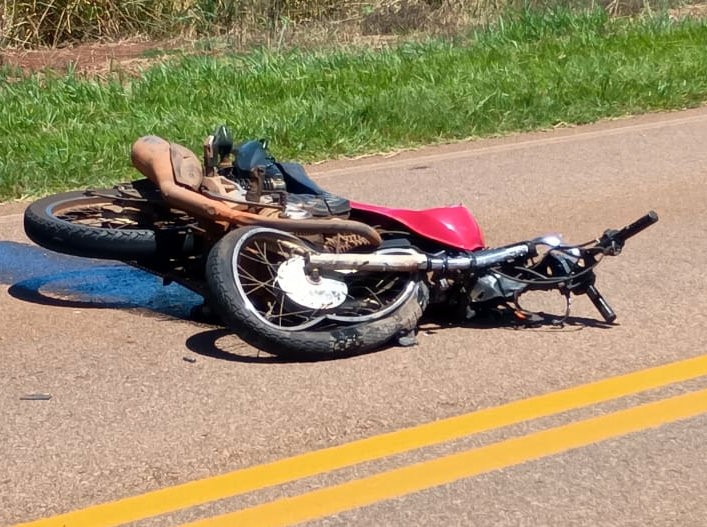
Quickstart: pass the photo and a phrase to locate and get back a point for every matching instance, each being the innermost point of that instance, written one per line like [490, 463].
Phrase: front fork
[585, 285]
[580, 281]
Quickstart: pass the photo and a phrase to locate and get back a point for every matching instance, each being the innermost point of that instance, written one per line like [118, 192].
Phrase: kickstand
[568, 309]
[530, 317]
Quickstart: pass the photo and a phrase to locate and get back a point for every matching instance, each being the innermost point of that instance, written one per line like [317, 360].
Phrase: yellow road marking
[241, 481]
[398, 482]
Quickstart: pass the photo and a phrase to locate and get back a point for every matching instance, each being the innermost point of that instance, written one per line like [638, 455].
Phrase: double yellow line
[398, 482]
[408, 479]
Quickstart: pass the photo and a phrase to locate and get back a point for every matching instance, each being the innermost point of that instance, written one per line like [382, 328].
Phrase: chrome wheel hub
[318, 294]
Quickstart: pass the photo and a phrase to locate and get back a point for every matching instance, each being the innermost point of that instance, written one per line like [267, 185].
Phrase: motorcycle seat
[301, 186]
[293, 178]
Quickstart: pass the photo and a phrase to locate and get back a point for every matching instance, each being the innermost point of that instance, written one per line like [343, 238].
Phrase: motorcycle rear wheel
[247, 270]
[105, 226]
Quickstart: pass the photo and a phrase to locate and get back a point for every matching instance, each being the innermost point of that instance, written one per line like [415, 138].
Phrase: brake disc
[320, 293]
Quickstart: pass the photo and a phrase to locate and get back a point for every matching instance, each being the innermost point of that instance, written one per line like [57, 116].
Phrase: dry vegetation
[40, 23]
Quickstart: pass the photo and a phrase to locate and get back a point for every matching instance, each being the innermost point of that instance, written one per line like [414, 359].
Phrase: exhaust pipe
[418, 262]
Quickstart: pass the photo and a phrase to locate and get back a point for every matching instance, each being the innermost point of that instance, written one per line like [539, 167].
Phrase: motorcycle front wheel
[259, 286]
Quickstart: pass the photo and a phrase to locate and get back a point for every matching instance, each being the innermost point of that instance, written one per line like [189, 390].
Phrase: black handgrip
[637, 226]
[602, 306]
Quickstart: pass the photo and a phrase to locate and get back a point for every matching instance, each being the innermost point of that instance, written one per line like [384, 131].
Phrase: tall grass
[524, 72]
[33, 23]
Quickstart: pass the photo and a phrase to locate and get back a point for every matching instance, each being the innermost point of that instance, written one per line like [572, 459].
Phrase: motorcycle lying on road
[309, 273]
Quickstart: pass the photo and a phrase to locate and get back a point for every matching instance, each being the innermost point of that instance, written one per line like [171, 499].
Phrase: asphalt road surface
[586, 425]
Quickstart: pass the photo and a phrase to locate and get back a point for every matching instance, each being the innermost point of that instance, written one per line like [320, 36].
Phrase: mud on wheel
[257, 280]
[106, 224]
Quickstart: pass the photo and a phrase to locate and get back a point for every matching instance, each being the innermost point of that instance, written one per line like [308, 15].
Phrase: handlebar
[613, 240]
[637, 226]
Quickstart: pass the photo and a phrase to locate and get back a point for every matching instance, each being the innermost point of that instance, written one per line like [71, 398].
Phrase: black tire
[46, 223]
[328, 339]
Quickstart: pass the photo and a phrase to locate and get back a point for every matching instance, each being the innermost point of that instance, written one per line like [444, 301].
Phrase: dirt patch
[90, 59]
[131, 57]
[689, 11]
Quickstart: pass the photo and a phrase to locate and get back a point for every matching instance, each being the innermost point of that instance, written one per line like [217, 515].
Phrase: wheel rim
[388, 292]
[256, 261]
[103, 213]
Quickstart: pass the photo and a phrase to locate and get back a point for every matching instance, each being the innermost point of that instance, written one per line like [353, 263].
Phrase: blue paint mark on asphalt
[37, 273]
[19, 261]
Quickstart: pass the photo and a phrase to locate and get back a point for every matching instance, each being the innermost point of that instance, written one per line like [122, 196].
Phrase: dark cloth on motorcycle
[300, 187]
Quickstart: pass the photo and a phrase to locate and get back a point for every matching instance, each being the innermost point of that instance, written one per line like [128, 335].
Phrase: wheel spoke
[375, 296]
[286, 253]
[259, 259]
[254, 259]
[263, 285]
[307, 314]
[282, 304]
[265, 259]
[110, 215]
[262, 255]
[242, 269]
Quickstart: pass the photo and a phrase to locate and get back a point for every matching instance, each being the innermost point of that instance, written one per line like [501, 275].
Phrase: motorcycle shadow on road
[223, 344]
[508, 319]
[43, 277]
[40, 276]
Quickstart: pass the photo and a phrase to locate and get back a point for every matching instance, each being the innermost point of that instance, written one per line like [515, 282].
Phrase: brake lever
[609, 244]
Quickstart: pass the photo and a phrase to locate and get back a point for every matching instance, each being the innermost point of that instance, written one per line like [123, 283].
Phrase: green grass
[527, 71]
